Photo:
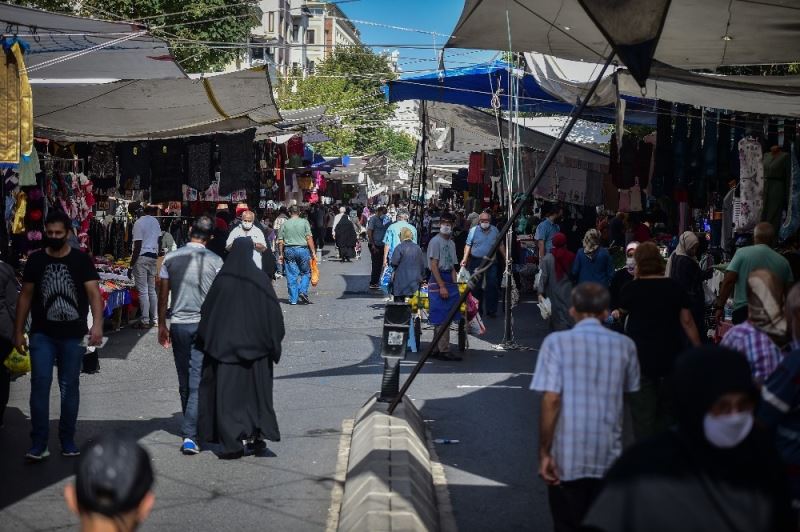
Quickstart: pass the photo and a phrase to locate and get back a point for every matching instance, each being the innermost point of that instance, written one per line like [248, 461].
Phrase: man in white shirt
[146, 243]
[246, 229]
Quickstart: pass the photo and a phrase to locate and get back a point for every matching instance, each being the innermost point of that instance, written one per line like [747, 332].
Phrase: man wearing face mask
[714, 471]
[58, 285]
[442, 289]
[479, 243]
[780, 405]
[247, 229]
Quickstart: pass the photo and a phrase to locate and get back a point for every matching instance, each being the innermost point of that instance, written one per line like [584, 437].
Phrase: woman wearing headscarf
[408, 262]
[620, 280]
[346, 239]
[762, 335]
[240, 332]
[593, 262]
[656, 310]
[714, 471]
[555, 284]
[683, 267]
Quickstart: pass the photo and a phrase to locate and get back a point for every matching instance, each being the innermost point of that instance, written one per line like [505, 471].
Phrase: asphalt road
[330, 367]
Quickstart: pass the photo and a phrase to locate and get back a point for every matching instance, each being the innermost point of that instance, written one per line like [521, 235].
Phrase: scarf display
[16, 140]
[765, 304]
[686, 242]
[564, 257]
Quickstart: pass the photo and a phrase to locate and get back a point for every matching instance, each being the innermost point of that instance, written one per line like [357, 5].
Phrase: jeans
[376, 254]
[298, 271]
[189, 364]
[144, 273]
[570, 502]
[488, 291]
[67, 353]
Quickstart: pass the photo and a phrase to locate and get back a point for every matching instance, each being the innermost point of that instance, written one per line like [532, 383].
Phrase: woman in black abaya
[714, 471]
[346, 239]
[240, 332]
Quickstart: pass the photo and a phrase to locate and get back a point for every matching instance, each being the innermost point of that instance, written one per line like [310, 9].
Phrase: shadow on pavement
[30, 478]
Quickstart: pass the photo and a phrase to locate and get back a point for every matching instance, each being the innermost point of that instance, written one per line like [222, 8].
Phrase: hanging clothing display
[792, 222]
[772, 133]
[777, 180]
[695, 180]
[662, 169]
[738, 123]
[475, 175]
[680, 146]
[751, 184]
[166, 168]
[103, 165]
[198, 163]
[644, 160]
[610, 194]
[711, 119]
[236, 161]
[28, 168]
[789, 133]
[16, 96]
[134, 165]
[723, 159]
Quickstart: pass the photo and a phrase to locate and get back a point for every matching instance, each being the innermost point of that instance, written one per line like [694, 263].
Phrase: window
[295, 33]
[257, 53]
[310, 36]
[271, 24]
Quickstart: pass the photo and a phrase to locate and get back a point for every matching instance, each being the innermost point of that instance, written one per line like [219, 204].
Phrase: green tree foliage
[349, 83]
[194, 29]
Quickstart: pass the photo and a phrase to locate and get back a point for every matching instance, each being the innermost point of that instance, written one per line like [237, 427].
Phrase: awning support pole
[487, 260]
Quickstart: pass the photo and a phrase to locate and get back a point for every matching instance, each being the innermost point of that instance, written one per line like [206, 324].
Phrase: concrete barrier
[389, 486]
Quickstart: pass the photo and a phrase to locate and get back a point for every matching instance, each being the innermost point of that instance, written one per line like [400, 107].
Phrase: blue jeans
[487, 292]
[67, 353]
[298, 271]
[189, 364]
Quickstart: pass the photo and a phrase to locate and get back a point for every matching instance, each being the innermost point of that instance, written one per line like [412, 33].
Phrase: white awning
[72, 48]
[696, 34]
[147, 109]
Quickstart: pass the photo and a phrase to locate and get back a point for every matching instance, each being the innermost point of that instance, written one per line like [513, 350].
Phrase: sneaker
[189, 447]
[304, 299]
[374, 287]
[70, 449]
[37, 453]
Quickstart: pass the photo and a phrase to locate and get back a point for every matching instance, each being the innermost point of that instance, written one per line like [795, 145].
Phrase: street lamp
[632, 28]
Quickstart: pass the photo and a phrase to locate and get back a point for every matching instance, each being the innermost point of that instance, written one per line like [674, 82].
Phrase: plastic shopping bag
[463, 276]
[386, 279]
[476, 326]
[472, 306]
[545, 308]
[314, 272]
[18, 363]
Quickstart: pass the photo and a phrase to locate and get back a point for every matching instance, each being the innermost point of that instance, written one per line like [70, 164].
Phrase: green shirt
[749, 258]
[294, 231]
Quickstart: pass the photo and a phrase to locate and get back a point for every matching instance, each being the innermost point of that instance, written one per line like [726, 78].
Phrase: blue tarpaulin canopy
[476, 85]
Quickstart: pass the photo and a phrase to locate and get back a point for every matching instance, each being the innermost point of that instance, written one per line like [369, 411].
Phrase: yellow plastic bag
[314, 272]
[17, 362]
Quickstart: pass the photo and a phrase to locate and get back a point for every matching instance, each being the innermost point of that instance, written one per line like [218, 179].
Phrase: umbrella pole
[487, 260]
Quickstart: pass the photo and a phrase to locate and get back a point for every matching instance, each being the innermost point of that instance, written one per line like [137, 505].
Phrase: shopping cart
[420, 305]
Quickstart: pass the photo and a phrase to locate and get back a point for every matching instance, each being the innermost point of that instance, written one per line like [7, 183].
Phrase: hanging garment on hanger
[662, 169]
[792, 222]
[680, 146]
[198, 163]
[644, 160]
[772, 133]
[134, 165]
[751, 183]
[738, 125]
[475, 175]
[723, 149]
[103, 165]
[28, 168]
[628, 156]
[636, 198]
[625, 200]
[166, 167]
[789, 133]
[777, 185]
[237, 168]
[610, 194]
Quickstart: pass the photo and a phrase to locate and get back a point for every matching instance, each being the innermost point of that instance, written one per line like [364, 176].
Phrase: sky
[438, 16]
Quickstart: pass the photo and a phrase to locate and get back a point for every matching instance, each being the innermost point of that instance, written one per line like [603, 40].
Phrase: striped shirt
[591, 367]
[762, 353]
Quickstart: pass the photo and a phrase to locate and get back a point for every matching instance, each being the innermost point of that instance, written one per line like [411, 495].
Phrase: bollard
[393, 347]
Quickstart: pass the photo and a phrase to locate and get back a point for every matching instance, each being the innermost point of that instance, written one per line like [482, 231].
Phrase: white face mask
[485, 225]
[247, 225]
[630, 264]
[728, 430]
[445, 229]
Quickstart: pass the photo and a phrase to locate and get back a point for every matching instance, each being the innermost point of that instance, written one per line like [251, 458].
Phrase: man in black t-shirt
[58, 285]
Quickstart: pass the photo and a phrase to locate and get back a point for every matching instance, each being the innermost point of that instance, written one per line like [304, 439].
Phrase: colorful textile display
[751, 175]
[16, 115]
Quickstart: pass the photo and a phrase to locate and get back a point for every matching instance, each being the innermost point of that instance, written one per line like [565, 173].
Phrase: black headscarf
[345, 233]
[241, 318]
[679, 481]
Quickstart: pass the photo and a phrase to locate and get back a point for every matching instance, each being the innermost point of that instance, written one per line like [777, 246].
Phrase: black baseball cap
[112, 476]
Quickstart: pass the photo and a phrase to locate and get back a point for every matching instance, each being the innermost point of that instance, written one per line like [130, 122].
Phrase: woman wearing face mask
[683, 267]
[621, 278]
[713, 472]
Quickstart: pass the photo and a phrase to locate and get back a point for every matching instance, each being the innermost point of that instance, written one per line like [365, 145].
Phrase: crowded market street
[330, 367]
